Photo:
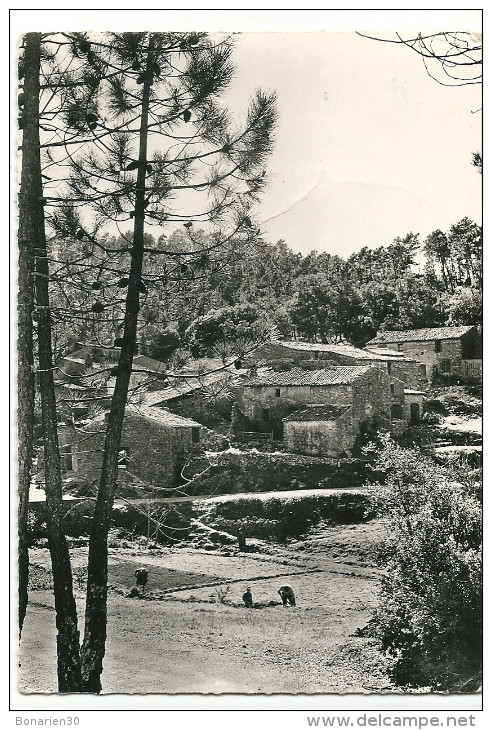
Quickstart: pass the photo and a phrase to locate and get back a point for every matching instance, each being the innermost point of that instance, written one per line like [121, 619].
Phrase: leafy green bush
[430, 614]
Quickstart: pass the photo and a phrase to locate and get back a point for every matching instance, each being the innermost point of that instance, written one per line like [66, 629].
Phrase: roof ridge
[422, 333]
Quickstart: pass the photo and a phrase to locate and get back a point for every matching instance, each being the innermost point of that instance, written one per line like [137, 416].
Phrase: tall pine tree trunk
[68, 644]
[25, 306]
[93, 648]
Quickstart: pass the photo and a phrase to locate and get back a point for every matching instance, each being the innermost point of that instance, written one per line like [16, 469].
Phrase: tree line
[220, 302]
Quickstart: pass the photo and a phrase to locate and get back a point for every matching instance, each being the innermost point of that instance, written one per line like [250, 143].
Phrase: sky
[368, 147]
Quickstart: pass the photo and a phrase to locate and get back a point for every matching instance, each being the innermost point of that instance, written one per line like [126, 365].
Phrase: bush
[165, 344]
[76, 520]
[436, 407]
[429, 617]
[225, 325]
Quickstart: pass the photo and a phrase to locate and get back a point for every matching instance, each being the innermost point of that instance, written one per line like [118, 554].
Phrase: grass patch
[160, 579]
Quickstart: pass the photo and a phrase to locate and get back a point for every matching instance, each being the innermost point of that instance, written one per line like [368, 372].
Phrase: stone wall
[448, 360]
[155, 453]
[325, 438]
[252, 471]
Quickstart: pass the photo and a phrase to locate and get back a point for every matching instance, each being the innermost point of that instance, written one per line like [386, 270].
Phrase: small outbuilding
[319, 430]
[413, 406]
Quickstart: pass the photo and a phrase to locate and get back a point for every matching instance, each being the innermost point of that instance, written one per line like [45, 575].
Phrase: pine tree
[140, 125]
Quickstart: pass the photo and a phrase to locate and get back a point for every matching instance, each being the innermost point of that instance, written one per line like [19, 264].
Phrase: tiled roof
[341, 349]
[305, 346]
[77, 360]
[154, 397]
[161, 416]
[317, 413]
[184, 385]
[157, 415]
[68, 386]
[324, 376]
[143, 362]
[428, 333]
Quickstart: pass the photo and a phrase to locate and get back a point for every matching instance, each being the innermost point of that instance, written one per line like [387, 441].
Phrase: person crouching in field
[287, 595]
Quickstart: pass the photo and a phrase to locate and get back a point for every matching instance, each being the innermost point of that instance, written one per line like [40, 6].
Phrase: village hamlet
[249, 363]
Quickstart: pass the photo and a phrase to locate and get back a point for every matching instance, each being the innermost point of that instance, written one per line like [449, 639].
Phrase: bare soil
[190, 632]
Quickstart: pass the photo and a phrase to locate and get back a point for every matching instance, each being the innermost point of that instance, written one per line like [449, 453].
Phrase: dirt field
[191, 633]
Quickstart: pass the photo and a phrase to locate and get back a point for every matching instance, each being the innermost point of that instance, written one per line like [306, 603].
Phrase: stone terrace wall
[252, 471]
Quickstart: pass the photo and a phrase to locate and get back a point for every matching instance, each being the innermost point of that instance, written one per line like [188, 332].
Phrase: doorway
[414, 413]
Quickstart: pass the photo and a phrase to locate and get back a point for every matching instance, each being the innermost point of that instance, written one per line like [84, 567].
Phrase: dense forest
[199, 302]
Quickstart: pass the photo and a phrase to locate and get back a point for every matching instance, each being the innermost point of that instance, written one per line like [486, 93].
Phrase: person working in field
[142, 577]
[287, 595]
[248, 598]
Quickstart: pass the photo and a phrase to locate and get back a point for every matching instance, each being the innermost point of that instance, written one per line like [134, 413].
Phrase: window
[392, 389]
[277, 392]
[316, 355]
[388, 368]
[195, 434]
[265, 412]
[438, 346]
[400, 346]
[445, 366]
[422, 371]
[66, 458]
[123, 455]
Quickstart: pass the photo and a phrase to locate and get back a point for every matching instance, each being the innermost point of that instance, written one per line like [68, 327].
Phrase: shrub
[435, 406]
[429, 616]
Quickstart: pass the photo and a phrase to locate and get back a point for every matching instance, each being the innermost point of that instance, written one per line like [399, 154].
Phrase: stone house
[154, 446]
[281, 354]
[319, 430]
[445, 350]
[266, 400]
[206, 398]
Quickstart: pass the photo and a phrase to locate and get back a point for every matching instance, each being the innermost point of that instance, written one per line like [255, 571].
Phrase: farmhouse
[280, 354]
[154, 445]
[367, 392]
[445, 350]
